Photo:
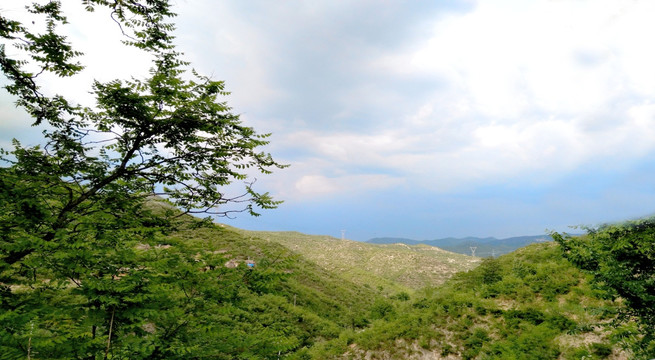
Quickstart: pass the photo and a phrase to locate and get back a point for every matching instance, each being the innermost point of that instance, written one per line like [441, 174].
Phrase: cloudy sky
[427, 119]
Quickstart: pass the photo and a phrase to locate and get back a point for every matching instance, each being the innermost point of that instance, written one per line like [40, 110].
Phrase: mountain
[483, 247]
[216, 292]
[389, 267]
[211, 291]
[511, 307]
[203, 291]
[319, 297]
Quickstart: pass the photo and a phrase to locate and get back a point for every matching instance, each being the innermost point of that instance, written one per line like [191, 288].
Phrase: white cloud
[315, 185]
[511, 58]
[309, 187]
[534, 151]
[515, 89]
[532, 90]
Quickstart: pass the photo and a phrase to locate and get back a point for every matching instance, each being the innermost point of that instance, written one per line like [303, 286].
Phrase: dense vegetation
[531, 304]
[390, 268]
[182, 298]
[190, 294]
[100, 259]
[621, 259]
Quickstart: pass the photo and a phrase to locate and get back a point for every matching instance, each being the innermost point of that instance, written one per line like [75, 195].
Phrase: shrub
[402, 296]
[381, 309]
[601, 350]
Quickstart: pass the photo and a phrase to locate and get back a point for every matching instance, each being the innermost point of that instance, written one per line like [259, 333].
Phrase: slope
[483, 247]
[389, 268]
[202, 291]
[512, 307]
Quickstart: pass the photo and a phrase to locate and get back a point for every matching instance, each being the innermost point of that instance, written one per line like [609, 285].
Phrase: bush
[491, 271]
[382, 309]
[601, 350]
[474, 343]
[561, 322]
[531, 316]
[402, 296]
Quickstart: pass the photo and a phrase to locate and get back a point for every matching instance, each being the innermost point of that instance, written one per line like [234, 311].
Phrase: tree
[164, 135]
[621, 258]
[73, 209]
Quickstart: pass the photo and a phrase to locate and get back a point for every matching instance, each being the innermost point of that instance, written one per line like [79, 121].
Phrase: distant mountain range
[483, 247]
[392, 267]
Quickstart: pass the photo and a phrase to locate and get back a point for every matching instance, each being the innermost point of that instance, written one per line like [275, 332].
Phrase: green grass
[318, 297]
[305, 285]
[531, 304]
[388, 268]
[179, 299]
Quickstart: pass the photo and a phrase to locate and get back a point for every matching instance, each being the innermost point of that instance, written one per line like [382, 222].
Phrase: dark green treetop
[166, 135]
[621, 258]
[75, 212]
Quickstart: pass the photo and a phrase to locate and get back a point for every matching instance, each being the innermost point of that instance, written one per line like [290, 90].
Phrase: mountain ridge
[393, 267]
[484, 247]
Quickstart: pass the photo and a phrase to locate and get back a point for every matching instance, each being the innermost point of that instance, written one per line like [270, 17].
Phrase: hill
[212, 291]
[511, 307]
[202, 291]
[386, 267]
[483, 247]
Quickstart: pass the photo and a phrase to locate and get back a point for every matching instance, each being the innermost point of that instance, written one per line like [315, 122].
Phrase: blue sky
[424, 119]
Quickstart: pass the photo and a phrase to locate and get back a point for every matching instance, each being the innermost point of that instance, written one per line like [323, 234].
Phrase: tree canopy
[164, 135]
[621, 258]
[75, 209]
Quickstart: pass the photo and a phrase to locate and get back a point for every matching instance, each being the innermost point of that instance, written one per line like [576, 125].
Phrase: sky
[421, 119]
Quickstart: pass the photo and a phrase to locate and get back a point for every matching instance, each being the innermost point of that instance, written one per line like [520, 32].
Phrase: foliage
[512, 307]
[182, 301]
[382, 310]
[621, 259]
[100, 260]
[75, 281]
[391, 268]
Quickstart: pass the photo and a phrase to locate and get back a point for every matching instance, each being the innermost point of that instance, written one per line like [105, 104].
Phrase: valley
[474, 246]
[391, 267]
[213, 291]
[529, 304]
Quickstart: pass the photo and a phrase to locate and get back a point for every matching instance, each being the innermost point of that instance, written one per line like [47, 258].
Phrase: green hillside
[484, 247]
[531, 304]
[189, 294]
[211, 291]
[389, 267]
[95, 264]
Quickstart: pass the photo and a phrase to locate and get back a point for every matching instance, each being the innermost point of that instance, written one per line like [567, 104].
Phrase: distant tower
[493, 253]
[473, 248]
[343, 234]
